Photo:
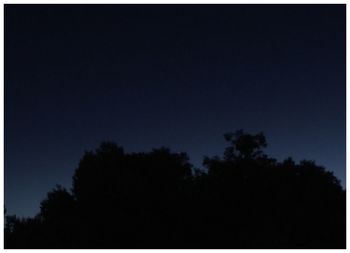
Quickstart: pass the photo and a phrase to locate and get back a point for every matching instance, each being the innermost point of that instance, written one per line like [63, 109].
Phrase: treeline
[245, 199]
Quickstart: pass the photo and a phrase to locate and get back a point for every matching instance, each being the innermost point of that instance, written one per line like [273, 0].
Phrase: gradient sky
[175, 76]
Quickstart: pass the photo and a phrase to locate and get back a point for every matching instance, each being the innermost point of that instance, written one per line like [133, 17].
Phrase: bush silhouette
[246, 199]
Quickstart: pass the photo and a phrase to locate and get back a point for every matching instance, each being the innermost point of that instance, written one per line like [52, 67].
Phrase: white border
[174, 2]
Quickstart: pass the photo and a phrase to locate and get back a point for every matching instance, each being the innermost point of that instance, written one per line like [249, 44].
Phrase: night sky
[178, 76]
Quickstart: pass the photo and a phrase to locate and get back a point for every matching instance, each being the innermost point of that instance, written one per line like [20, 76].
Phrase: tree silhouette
[158, 200]
[245, 146]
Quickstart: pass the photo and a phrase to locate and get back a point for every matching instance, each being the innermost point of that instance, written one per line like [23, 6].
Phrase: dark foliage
[154, 200]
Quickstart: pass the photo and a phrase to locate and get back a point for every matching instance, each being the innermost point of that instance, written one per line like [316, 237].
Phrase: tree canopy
[157, 199]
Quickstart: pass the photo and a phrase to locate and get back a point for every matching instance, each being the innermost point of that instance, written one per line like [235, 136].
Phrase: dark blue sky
[175, 76]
